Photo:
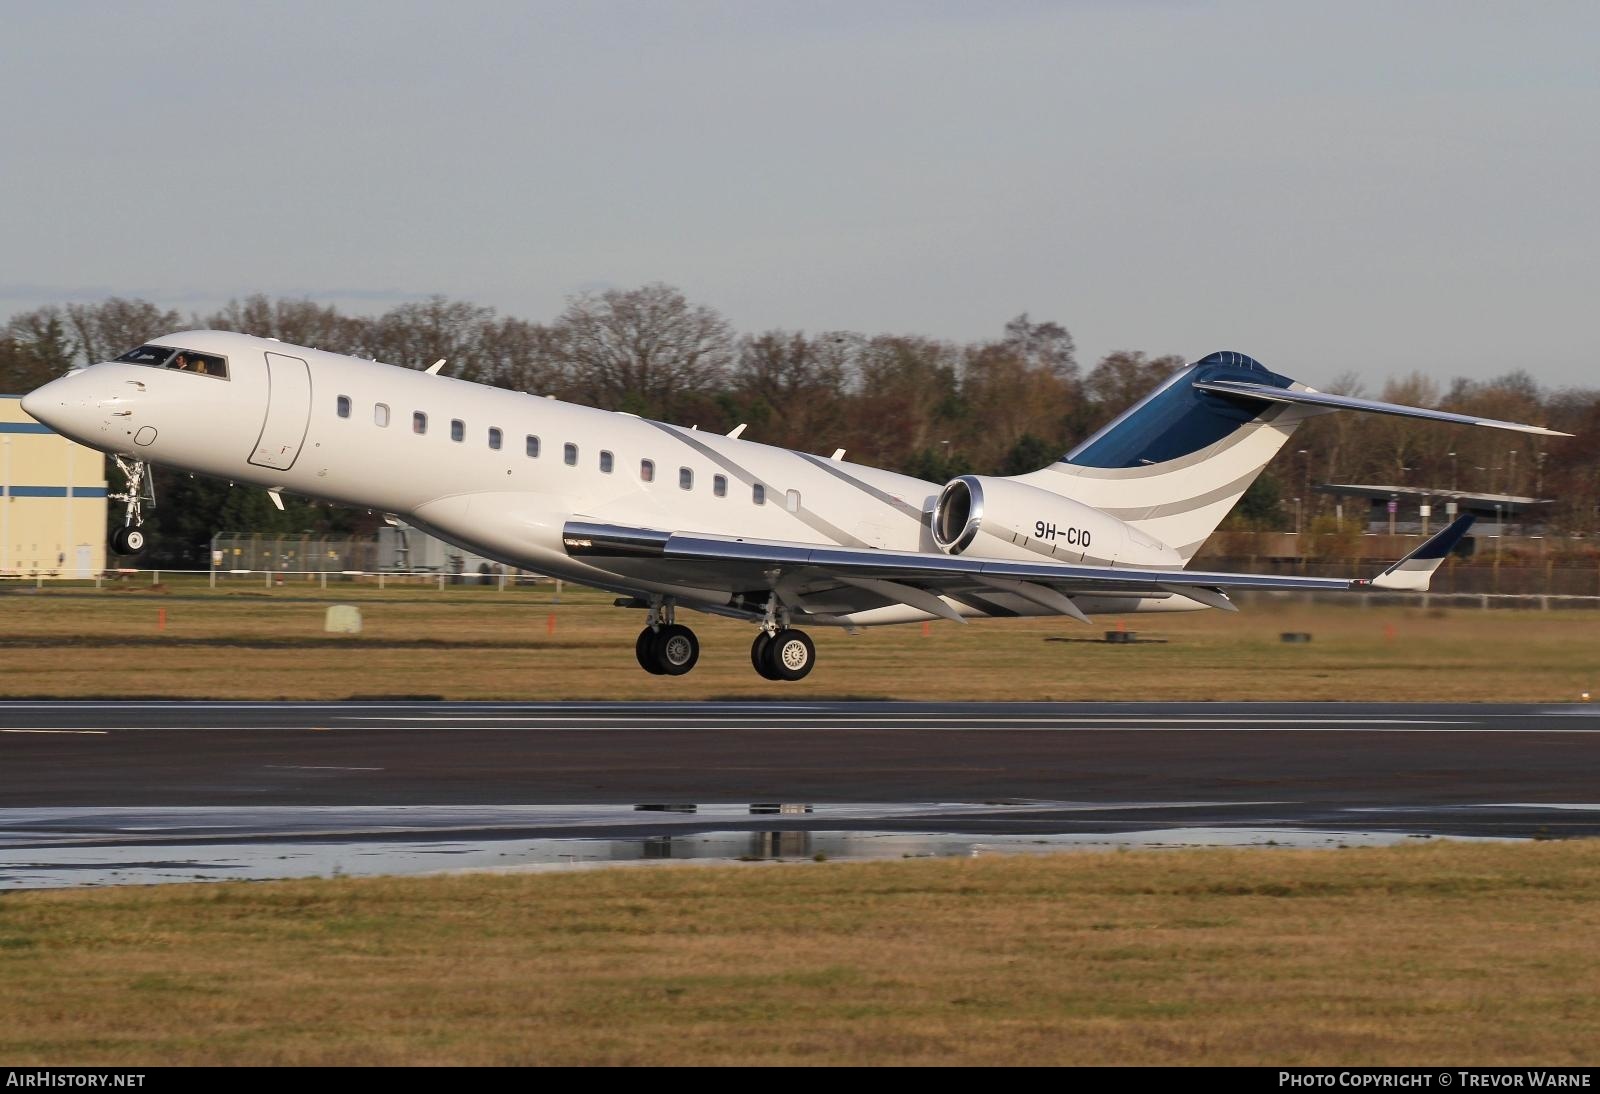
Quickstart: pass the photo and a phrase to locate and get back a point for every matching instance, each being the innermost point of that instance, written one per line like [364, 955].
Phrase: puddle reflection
[56, 848]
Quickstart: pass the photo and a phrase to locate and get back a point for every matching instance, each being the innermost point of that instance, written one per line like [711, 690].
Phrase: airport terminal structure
[52, 500]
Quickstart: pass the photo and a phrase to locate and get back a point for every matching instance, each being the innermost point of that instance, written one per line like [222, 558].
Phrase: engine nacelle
[1001, 518]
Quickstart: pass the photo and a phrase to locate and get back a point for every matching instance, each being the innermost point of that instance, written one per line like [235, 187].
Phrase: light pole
[1511, 476]
[1452, 471]
[1305, 478]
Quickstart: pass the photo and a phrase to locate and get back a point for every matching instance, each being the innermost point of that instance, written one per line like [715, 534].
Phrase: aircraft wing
[809, 572]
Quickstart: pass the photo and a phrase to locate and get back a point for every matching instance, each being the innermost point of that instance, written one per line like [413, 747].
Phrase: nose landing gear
[138, 492]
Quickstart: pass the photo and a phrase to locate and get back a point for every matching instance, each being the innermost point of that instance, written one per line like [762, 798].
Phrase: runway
[104, 786]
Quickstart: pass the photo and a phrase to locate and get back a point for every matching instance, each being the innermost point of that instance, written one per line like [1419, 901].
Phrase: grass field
[1428, 954]
[470, 643]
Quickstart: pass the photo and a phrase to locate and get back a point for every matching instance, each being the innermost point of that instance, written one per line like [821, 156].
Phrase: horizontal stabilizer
[1267, 393]
[1412, 573]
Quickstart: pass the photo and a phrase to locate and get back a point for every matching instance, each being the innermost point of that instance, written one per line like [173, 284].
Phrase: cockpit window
[180, 360]
[206, 364]
[147, 355]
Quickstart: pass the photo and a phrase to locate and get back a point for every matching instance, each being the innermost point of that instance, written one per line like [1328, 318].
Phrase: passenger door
[288, 412]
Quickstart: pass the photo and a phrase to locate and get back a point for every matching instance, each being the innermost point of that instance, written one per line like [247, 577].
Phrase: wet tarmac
[118, 793]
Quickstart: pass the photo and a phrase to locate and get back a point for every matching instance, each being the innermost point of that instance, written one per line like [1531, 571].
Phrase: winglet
[1412, 573]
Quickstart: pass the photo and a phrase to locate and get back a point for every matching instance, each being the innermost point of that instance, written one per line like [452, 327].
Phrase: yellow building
[52, 500]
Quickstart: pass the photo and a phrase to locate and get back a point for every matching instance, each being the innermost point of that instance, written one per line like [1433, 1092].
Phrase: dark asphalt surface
[1426, 768]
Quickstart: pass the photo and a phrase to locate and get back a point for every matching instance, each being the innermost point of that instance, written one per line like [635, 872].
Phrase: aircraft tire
[644, 650]
[758, 656]
[675, 650]
[128, 541]
[790, 655]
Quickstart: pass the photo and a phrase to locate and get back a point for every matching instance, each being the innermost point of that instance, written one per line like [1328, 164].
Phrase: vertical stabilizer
[1176, 462]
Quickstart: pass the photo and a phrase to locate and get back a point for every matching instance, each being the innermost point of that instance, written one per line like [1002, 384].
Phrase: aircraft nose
[36, 404]
[61, 404]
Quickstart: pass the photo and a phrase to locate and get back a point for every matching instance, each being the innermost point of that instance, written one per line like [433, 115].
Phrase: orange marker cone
[550, 624]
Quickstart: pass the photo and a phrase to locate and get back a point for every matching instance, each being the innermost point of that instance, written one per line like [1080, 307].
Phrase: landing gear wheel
[790, 655]
[127, 541]
[758, 655]
[644, 650]
[675, 650]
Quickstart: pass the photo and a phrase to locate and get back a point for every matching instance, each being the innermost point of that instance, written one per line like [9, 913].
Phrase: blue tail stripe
[1176, 419]
[1443, 541]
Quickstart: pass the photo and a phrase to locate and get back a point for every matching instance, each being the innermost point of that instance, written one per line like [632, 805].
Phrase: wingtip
[1536, 430]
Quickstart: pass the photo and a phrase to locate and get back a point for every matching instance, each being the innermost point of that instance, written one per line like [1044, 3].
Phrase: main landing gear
[785, 655]
[139, 492]
[666, 648]
[780, 652]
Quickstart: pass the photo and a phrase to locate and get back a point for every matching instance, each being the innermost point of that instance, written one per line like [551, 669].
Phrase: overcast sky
[1372, 186]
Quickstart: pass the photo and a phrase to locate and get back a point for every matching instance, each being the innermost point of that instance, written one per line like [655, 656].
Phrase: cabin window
[606, 462]
[419, 422]
[758, 494]
[647, 470]
[494, 438]
[458, 429]
[380, 414]
[344, 406]
[570, 455]
[791, 501]
[719, 485]
[533, 446]
[685, 479]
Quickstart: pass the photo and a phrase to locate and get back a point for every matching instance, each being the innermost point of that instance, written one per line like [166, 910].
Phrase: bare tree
[645, 350]
[791, 386]
[1043, 345]
[524, 356]
[1123, 378]
[1010, 395]
[419, 333]
[108, 328]
[299, 322]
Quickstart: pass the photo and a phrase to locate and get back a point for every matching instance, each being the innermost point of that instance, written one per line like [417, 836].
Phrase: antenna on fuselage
[433, 369]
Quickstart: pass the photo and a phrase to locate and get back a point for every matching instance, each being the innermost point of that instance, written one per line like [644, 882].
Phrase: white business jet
[671, 517]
